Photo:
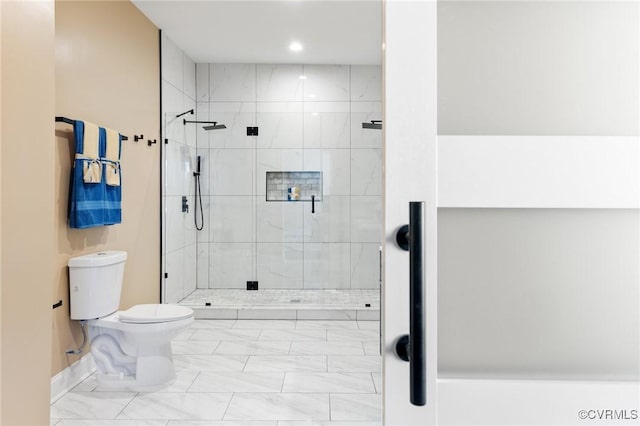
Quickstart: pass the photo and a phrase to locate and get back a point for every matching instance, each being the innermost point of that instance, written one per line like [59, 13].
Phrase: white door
[561, 184]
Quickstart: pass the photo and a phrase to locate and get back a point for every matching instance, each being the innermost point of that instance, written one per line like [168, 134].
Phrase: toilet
[132, 348]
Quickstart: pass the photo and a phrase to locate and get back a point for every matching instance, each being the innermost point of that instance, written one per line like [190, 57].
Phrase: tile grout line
[126, 405]
[233, 394]
[192, 382]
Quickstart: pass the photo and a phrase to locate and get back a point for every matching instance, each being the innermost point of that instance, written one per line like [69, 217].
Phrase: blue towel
[92, 204]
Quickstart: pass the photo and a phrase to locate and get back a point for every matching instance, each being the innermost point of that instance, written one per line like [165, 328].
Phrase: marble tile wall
[309, 118]
[179, 248]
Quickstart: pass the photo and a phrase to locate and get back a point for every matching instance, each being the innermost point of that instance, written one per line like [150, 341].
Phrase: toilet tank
[95, 282]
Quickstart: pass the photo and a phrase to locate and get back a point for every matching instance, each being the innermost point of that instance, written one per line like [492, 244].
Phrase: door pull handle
[411, 347]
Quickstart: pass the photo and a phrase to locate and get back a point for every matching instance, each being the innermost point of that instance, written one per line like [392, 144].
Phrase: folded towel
[86, 200]
[113, 188]
[112, 156]
[91, 167]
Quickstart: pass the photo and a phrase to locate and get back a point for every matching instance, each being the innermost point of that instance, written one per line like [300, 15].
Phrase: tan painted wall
[27, 203]
[107, 72]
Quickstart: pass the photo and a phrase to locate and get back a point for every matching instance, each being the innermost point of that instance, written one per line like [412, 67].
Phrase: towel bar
[72, 122]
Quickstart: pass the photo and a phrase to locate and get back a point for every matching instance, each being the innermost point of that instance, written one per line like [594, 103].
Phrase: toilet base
[134, 356]
[153, 371]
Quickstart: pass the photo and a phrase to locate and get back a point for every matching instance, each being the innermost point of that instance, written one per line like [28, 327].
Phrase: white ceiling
[331, 31]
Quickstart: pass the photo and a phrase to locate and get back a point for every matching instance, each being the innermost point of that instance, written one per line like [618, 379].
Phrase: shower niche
[294, 186]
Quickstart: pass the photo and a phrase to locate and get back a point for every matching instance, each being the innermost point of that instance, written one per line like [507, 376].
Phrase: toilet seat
[155, 313]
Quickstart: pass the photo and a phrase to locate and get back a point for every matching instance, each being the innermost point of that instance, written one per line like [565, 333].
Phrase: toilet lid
[155, 313]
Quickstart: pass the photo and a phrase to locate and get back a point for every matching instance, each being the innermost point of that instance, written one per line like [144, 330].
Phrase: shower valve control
[252, 131]
[185, 204]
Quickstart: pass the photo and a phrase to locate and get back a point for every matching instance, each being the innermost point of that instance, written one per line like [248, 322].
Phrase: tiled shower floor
[285, 304]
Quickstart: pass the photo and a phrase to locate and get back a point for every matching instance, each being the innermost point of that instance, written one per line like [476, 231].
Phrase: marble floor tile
[266, 313]
[87, 385]
[371, 347]
[238, 382]
[212, 324]
[354, 363]
[209, 362]
[226, 334]
[328, 382]
[95, 422]
[356, 407]
[304, 324]
[194, 347]
[287, 363]
[326, 348]
[304, 299]
[254, 348]
[327, 314]
[91, 405]
[53, 422]
[266, 324]
[278, 406]
[305, 335]
[251, 373]
[184, 335]
[369, 325]
[377, 381]
[351, 335]
[195, 406]
[180, 384]
[223, 423]
[297, 423]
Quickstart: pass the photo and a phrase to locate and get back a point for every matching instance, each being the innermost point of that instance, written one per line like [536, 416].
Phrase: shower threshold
[362, 305]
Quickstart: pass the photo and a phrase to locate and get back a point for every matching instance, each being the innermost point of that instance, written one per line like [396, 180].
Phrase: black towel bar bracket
[151, 142]
[137, 138]
[72, 122]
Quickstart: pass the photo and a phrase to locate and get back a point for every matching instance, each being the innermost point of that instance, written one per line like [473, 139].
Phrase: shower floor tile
[270, 378]
[284, 304]
[283, 297]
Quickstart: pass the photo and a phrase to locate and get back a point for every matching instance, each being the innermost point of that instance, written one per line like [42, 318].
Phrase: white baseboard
[71, 376]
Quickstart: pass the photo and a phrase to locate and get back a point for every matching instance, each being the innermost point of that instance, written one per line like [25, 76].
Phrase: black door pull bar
[411, 347]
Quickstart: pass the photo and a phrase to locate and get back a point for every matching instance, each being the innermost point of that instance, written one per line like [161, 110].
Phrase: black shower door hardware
[313, 204]
[411, 347]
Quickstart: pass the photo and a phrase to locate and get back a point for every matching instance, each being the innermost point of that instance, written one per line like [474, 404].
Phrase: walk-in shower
[288, 194]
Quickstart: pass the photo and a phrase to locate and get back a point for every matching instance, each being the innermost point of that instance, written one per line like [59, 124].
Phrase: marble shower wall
[178, 231]
[309, 118]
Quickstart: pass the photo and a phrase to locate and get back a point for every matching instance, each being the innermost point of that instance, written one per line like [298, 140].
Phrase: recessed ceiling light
[295, 46]
[303, 77]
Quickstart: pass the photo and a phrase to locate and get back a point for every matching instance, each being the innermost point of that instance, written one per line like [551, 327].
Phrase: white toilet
[132, 348]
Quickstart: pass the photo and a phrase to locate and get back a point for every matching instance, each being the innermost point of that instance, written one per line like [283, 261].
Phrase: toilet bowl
[131, 348]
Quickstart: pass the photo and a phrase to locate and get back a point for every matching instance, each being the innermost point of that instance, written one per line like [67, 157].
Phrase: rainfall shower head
[214, 126]
[375, 124]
